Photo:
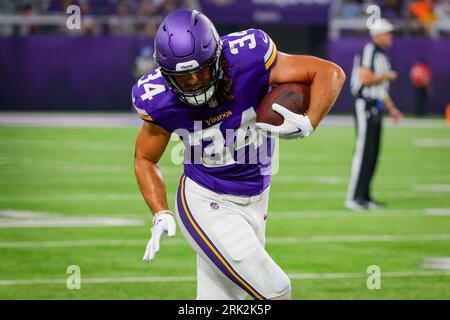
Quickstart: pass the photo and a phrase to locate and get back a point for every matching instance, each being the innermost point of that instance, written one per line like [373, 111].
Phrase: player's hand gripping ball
[283, 111]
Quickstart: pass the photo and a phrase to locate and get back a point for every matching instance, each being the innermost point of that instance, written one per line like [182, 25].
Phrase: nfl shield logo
[214, 205]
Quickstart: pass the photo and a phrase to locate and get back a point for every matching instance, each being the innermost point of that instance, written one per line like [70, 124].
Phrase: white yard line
[33, 219]
[291, 195]
[431, 143]
[70, 119]
[97, 280]
[360, 238]
[442, 260]
[127, 119]
[388, 194]
[346, 214]
[435, 187]
[59, 144]
[270, 241]
[74, 197]
[435, 266]
[438, 211]
[394, 274]
[82, 243]
[387, 213]
[36, 219]
[438, 263]
[294, 276]
[68, 222]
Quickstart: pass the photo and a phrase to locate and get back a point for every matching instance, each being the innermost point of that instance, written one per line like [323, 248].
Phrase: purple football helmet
[186, 42]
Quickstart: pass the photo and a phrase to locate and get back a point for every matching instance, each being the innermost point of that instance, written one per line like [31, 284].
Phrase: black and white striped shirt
[373, 58]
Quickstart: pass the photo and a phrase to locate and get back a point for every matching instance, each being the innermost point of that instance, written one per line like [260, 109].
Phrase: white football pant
[228, 234]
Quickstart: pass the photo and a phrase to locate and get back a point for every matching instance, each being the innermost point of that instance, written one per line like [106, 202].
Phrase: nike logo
[265, 38]
[298, 130]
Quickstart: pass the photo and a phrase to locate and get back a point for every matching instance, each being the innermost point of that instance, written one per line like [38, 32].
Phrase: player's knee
[286, 295]
[281, 287]
[271, 280]
[278, 285]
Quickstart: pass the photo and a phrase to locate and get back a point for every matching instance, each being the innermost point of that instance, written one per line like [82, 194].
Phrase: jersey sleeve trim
[148, 118]
[270, 55]
[143, 114]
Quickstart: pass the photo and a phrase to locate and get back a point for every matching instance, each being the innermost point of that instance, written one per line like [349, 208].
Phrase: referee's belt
[374, 102]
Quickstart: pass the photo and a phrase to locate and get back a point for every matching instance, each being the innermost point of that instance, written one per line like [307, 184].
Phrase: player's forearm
[151, 184]
[325, 89]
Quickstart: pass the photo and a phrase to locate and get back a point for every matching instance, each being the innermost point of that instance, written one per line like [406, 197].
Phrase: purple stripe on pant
[203, 243]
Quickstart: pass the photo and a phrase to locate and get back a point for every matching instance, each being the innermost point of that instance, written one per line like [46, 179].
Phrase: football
[293, 96]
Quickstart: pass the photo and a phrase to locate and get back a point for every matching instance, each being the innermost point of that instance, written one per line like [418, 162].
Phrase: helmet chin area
[199, 99]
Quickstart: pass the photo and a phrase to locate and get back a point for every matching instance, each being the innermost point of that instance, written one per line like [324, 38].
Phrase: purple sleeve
[255, 54]
[252, 49]
[266, 51]
[150, 97]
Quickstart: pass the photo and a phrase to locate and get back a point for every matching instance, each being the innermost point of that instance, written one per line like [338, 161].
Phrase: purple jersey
[223, 150]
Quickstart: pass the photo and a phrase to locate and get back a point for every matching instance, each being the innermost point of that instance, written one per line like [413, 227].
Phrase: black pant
[368, 132]
[420, 100]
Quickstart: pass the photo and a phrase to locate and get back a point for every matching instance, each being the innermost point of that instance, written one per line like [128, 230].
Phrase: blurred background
[46, 66]
[69, 199]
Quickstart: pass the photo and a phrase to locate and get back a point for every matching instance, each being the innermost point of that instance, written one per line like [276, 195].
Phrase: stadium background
[67, 189]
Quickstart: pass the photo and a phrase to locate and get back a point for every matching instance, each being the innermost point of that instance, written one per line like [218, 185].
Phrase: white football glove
[163, 223]
[295, 126]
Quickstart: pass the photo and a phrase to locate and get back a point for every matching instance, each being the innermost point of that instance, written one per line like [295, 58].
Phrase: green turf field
[47, 174]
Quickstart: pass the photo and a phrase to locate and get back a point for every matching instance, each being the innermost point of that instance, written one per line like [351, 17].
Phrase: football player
[207, 90]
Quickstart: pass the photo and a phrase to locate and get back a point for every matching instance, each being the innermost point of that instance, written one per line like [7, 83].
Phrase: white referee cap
[381, 26]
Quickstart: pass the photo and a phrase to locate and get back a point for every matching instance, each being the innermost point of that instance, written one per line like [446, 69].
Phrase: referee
[371, 76]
